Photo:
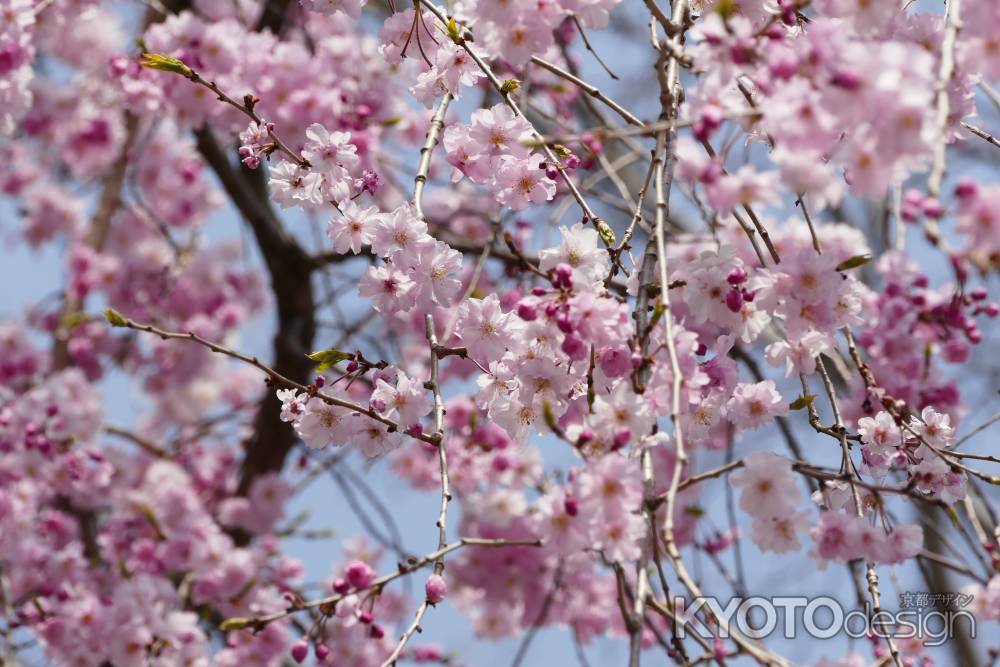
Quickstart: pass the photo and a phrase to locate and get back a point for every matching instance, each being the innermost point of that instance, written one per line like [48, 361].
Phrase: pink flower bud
[300, 650]
[564, 276]
[551, 173]
[571, 507]
[966, 189]
[376, 632]
[932, 208]
[737, 276]
[366, 617]
[586, 435]
[574, 348]
[527, 311]
[319, 381]
[359, 574]
[846, 79]
[734, 300]
[340, 586]
[572, 161]
[616, 361]
[622, 437]
[436, 588]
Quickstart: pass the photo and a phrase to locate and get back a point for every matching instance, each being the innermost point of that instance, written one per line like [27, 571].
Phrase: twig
[274, 375]
[586, 43]
[433, 134]
[442, 520]
[258, 622]
[590, 89]
[952, 17]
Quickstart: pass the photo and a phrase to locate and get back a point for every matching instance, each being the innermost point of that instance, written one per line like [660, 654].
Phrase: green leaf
[237, 623]
[453, 32]
[854, 262]
[725, 8]
[164, 63]
[327, 359]
[115, 318]
[561, 150]
[550, 417]
[802, 402]
[607, 234]
[509, 86]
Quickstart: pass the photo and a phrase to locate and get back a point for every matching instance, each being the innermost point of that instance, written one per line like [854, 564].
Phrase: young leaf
[165, 64]
[327, 359]
[115, 318]
[801, 402]
[854, 262]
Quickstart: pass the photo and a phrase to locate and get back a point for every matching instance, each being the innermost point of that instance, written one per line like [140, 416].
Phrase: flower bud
[300, 650]
[574, 348]
[359, 574]
[734, 300]
[737, 276]
[527, 311]
[435, 588]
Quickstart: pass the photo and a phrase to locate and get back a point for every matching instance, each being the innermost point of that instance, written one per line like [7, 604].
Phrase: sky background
[27, 275]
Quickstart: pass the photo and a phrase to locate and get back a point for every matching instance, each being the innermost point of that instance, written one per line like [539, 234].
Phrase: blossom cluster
[491, 152]
[565, 389]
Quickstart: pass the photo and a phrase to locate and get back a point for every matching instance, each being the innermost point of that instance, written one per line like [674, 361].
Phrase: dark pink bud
[702, 349]
[416, 430]
[376, 632]
[341, 586]
[846, 79]
[377, 404]
[300, 650]
[737, 276]
[322, 651]
[978, 294]
[564, 324]
[586, 435]
[527, 311]
[734, 300]
[992, 310]
[564, 275]
[539, 291]
[572, 161]
[352, 366]
[932, 208]
[571, 507]
[359, 574]
[622, 437]
[366, 617]
[551, 173]
[966, 189]
[319, 381]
